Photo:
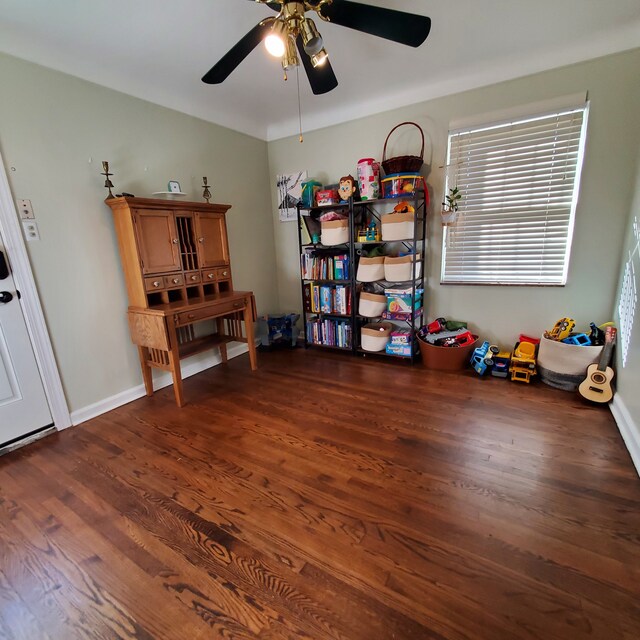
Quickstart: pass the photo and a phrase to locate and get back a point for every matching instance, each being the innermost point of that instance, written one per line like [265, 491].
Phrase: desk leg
[223, 346]
[176, 374]
[146, 371]
[248, 328]
[174, 364]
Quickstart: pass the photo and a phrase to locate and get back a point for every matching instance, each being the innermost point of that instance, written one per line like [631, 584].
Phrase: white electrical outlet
[25, 209]
[30, 230]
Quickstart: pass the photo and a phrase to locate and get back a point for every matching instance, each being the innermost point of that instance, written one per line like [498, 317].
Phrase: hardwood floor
[326, 497]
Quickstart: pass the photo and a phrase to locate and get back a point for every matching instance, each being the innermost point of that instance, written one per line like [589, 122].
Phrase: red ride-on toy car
[436, 326]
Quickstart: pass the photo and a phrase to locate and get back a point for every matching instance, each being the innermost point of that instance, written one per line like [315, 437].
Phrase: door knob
[5, 297]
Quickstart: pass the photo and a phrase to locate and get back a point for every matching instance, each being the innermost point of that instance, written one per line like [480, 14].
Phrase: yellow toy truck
[523, 362]
[561, 329]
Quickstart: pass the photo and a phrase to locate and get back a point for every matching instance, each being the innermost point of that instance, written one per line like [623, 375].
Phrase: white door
[23, 403]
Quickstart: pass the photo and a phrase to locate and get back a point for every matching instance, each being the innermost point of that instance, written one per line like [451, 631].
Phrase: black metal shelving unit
[358, 212]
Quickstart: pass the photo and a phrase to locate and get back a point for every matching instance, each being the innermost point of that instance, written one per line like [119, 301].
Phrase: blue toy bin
[278, 331]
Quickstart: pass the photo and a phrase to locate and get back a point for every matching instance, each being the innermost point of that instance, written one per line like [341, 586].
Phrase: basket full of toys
[445, 345]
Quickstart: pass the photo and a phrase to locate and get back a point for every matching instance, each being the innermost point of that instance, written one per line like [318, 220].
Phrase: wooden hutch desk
[175, 257]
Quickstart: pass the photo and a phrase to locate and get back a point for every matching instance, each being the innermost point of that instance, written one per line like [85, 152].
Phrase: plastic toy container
[401, 184]
[371, 305]
[334, 232]
[309, 190]
[375, 336]
[399, 269]
[368, 171]
[398, 226]
[370, 269]
[445, 358]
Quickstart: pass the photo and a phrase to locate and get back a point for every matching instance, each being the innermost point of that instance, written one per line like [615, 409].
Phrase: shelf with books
[329, 332]
[327, 298]
[328, 274]
[402, 244]
[325, 264]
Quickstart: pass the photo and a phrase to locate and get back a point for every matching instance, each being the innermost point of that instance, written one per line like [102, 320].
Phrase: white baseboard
[629, 430]
[159, 381]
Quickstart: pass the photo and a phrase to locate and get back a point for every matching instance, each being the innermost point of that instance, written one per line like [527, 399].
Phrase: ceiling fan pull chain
[300, 138]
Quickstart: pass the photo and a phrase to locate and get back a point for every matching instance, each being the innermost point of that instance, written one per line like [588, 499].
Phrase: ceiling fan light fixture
[290, 58]
[275, 41]
[318, 59]
[311, 38]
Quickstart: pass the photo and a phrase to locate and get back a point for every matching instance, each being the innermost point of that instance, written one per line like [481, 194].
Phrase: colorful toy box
[399, 343]
[327, 196]
[399, 300]
[399, 349]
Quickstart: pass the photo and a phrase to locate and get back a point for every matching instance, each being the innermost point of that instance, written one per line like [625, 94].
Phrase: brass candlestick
[206, 194]
[107, 183]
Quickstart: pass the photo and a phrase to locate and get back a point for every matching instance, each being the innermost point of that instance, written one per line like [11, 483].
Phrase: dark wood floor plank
[554, 602]
[498, 505]
[326, 497]
[261, 571]
[17, 622]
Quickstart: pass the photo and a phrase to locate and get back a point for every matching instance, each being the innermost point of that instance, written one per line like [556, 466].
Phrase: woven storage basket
[403, 164]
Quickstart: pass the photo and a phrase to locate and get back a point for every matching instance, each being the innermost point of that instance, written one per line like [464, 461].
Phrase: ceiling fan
[292, 36]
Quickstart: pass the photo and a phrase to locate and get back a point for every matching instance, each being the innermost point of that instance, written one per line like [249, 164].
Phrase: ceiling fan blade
[230, 60]
[405, 28]
[322, 79]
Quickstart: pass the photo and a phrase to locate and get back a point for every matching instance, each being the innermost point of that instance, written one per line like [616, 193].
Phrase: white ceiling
[158, 50]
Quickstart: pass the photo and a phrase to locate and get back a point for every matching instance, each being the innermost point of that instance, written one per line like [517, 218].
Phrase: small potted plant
[449, 211]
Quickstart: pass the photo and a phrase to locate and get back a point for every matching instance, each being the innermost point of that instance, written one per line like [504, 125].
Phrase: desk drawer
[154, 284]
[211, 275]
[195, 315]
[175, 280]
[193, 277]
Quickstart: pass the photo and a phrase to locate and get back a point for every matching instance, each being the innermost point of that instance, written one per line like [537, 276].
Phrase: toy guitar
[597, 385]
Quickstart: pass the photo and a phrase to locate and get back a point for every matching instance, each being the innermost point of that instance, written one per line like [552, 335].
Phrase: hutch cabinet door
[157, 240]
[211, 232]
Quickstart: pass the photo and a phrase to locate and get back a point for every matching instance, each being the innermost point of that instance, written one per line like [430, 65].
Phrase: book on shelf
[318, 266]
[326, 299]
[307, 297]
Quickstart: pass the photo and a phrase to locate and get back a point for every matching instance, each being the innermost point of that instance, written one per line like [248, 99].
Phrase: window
[519, 183]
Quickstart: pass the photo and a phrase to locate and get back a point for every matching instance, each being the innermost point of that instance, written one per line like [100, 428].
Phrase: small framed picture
[174, 186]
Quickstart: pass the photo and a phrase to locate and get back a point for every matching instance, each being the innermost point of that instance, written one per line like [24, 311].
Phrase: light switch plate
[25, 209]
[31, 232]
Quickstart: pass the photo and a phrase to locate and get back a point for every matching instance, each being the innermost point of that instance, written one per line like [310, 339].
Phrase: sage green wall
[55, 130]
[498, 313]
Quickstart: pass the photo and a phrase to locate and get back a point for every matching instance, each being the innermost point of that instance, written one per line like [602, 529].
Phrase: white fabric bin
[334, 232]
[398, 226]
[375, 336]
[370, 269]
[399, 269]
[371, 305]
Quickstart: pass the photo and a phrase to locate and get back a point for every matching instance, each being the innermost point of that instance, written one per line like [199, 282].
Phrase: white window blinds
[519, 184]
